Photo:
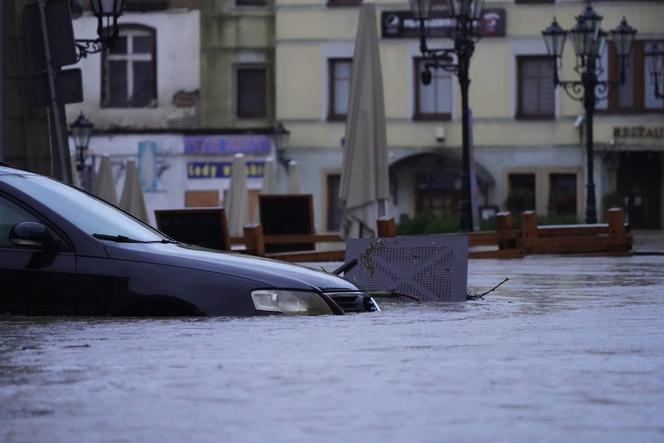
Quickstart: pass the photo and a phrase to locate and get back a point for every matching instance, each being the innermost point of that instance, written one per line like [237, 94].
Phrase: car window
[90, 214]
[10, 214]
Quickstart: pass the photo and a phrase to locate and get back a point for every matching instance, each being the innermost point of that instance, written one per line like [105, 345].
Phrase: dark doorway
[639, 183]
[438, 194]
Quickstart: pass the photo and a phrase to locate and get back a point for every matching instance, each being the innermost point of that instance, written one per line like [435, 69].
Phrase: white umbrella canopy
[132, 200]
[104, 186]
[294, 180]
[364, 189]
[237, 209]
[269, 177]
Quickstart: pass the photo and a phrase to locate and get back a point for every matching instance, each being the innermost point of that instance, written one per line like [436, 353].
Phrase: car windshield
[90, 214]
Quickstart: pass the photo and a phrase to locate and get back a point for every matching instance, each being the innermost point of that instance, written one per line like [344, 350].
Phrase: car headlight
[289, 302]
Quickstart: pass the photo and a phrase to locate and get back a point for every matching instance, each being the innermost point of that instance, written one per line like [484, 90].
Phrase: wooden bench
[504, 241]
[611, 238]
[607, 238]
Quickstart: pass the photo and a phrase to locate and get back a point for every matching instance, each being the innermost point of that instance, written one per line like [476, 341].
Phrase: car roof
[5, 169]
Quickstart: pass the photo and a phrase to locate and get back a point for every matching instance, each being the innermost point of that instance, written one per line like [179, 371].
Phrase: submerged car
[66, 252]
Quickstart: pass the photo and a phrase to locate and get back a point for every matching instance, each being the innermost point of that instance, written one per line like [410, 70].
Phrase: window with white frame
[637, 93]
[129, 69]
[340, 70]
[432, 101]
[536, 92]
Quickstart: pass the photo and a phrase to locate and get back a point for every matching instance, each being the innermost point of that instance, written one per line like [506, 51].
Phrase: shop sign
[638, 132]
[227, 144]
[222, 169]
[401, 24]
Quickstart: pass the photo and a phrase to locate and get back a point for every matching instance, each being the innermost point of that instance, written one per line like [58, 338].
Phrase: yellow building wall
[303, 27]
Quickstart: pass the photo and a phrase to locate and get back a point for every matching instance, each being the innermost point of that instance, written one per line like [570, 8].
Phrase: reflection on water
[569, 347]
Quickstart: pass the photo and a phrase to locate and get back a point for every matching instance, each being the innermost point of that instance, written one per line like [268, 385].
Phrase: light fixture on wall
[466, 16]
[589, 41]
[107, 13]
[281, 136]
[81, 131]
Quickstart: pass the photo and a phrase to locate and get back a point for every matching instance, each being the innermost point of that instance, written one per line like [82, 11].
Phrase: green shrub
[427, 223]
[519, 200]
[558, 219]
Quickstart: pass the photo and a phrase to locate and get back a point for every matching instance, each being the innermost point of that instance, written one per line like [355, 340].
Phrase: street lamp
[589, 41]
[655, 57]
[466, 31]
[81, 131]
[107, 13]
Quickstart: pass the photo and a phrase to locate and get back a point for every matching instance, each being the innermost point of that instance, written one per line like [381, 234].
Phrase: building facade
[527, 135]
[237, 64]
[143, 96]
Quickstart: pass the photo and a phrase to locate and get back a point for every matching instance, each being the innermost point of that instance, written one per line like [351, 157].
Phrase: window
[10, 214]
[334, 208]
[637, 94]
[87, 213]
[339, 87]
[437, 194]
[536, 90]
[432, 101]
[251, 91]
[521, 195]
[129, 74]
[145, 5]
[250, 2]
[562, 194]
[343, 2]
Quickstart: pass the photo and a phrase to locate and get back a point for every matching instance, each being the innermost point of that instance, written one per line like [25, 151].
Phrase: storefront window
[521, 196]
[562, 194]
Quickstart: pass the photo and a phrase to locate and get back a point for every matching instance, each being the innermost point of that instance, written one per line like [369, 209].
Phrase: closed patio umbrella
[364, 189]
[237, 209]
[104, 186]
[132, 200]
[269, 177]
[294, 181]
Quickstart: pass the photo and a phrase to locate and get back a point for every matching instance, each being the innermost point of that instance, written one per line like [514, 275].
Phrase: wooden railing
[505, 242]
[606, 238]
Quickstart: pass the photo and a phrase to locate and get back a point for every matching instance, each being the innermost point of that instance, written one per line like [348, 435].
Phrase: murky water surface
[570, 349]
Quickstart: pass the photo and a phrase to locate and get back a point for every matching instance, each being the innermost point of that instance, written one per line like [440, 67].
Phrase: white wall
[178, 69]
[172, 179]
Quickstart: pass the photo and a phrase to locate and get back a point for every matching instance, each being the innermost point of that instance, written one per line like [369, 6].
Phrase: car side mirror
[31, 234]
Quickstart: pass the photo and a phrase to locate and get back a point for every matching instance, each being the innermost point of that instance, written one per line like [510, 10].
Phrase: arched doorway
[430, 182]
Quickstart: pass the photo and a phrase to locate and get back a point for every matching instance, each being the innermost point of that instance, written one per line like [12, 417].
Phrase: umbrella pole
[382, 208]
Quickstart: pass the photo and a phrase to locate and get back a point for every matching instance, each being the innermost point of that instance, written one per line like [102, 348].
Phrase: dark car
[66, 252]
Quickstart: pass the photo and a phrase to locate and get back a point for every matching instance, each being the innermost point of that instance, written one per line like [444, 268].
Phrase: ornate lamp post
[81, 131]
[655, 57]
[107, 13]
[589, 41]
[466, 31]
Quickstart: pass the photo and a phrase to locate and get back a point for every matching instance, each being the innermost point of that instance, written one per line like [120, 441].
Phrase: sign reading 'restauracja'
[638, 132]
[401, 24]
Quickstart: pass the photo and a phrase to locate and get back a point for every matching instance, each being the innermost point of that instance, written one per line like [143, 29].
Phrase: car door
[33, 280]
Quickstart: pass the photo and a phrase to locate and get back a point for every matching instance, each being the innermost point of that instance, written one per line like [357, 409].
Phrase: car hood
[266, 272]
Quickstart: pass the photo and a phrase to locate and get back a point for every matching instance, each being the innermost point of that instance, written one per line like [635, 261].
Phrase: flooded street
[569, 349]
